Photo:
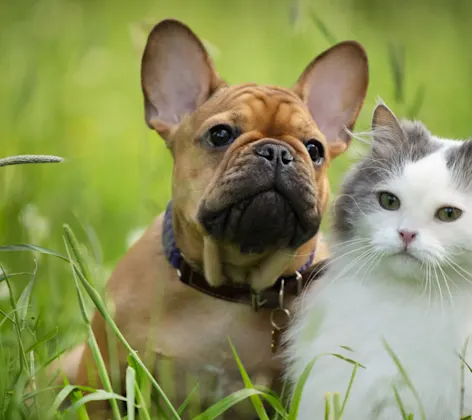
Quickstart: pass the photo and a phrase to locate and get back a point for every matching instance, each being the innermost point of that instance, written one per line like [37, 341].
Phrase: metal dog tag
[279, 318]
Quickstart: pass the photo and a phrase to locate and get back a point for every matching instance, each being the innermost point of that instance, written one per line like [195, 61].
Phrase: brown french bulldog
[249, 191]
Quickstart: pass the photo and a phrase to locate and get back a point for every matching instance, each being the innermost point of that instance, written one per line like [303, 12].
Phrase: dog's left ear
[177, 75]
[334, 87]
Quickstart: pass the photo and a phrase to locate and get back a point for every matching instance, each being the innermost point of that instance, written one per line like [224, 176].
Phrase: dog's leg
[67, 365]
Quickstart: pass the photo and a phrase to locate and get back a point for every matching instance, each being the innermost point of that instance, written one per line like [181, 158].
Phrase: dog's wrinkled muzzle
[267, 204]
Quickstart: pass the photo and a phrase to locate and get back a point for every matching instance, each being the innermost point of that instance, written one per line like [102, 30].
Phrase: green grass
[69, 83]
[19, 395]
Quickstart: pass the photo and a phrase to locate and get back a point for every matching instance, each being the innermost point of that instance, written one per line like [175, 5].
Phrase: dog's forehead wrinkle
[270, 110]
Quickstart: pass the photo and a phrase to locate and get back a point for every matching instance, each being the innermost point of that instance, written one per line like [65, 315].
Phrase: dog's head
[250, 160]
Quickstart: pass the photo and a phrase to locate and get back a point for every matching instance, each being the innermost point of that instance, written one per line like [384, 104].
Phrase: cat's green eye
[388, 201]
[448, 214]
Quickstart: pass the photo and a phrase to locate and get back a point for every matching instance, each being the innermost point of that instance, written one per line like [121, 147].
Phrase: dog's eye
[220, 135]
[316, 151]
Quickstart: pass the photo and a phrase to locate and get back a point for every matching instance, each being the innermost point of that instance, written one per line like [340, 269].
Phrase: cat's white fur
[366, 298]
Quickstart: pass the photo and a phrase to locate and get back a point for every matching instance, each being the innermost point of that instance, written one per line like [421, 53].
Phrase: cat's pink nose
[407, 236]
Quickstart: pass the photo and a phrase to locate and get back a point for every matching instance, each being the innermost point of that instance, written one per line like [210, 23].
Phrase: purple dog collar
[235, 292]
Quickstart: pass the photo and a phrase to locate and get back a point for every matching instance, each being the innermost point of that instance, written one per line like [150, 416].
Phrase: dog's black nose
[274, 153]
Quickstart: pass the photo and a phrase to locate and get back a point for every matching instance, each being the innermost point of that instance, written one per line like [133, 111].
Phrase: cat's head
[407, 206]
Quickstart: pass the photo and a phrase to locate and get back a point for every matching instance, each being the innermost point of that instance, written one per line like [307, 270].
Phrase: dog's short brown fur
[164, 319]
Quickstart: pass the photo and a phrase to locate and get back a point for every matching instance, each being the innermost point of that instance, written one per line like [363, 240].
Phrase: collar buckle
[256, 301]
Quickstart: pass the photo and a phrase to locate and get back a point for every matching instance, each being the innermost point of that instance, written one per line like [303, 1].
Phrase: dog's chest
[193, 345]
[204, 326]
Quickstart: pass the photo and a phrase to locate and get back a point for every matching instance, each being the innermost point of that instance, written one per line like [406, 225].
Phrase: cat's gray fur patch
[389, 153]
[459, 161]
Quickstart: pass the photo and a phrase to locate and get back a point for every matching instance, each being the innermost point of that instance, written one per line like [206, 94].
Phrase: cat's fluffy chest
[426, 336]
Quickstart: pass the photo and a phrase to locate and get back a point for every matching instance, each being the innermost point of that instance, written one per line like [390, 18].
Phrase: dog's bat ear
[177, 75]
[334, 87]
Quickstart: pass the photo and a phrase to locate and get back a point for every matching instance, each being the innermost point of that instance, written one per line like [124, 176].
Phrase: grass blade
[349, 387]
[130, 393]
[323, 28]
[226, 403]
[397, 64]
[62, 396]
[406, 378]
[337, 406]
[276, 405]
[256, 401]
[30, 247]
[400, 403]
[142, 409]
[24, 300]
[297, 393]
[417, 103]
[92, 341]
[77, 254]
[463, 365]
[184, 405]
[98, 395]
[326, 416]
[99, 304]
[102, 370]
[47, 337]
[348, 360]
[22, 354]
[22, 159]
[24, 273]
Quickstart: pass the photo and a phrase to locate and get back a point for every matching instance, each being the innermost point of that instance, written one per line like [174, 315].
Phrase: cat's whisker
[369, 257]
[449, 278]
[332, 260]
[373, 264]
[445, 283]
[436, 277]
[451, 264]
[379, 161]
[353, 262]
[451, 261]
[353, 200]
[350, 241]
[426, 283]
[459, 251]
[375, 170]
[430, 283]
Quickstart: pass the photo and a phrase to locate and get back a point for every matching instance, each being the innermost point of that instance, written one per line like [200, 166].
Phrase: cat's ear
[387, 130]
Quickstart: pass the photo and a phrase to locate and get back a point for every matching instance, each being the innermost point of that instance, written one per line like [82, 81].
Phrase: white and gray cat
[400, 276]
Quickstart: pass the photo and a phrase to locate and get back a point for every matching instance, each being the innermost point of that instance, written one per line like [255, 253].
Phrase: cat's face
[409, 203]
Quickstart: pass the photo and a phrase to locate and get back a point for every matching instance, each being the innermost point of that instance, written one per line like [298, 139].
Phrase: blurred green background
[69, 86]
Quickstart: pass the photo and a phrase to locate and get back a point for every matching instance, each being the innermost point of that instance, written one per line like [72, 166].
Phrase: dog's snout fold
[274, 153]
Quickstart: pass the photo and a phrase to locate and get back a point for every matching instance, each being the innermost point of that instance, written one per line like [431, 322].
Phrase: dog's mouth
[265, 220]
